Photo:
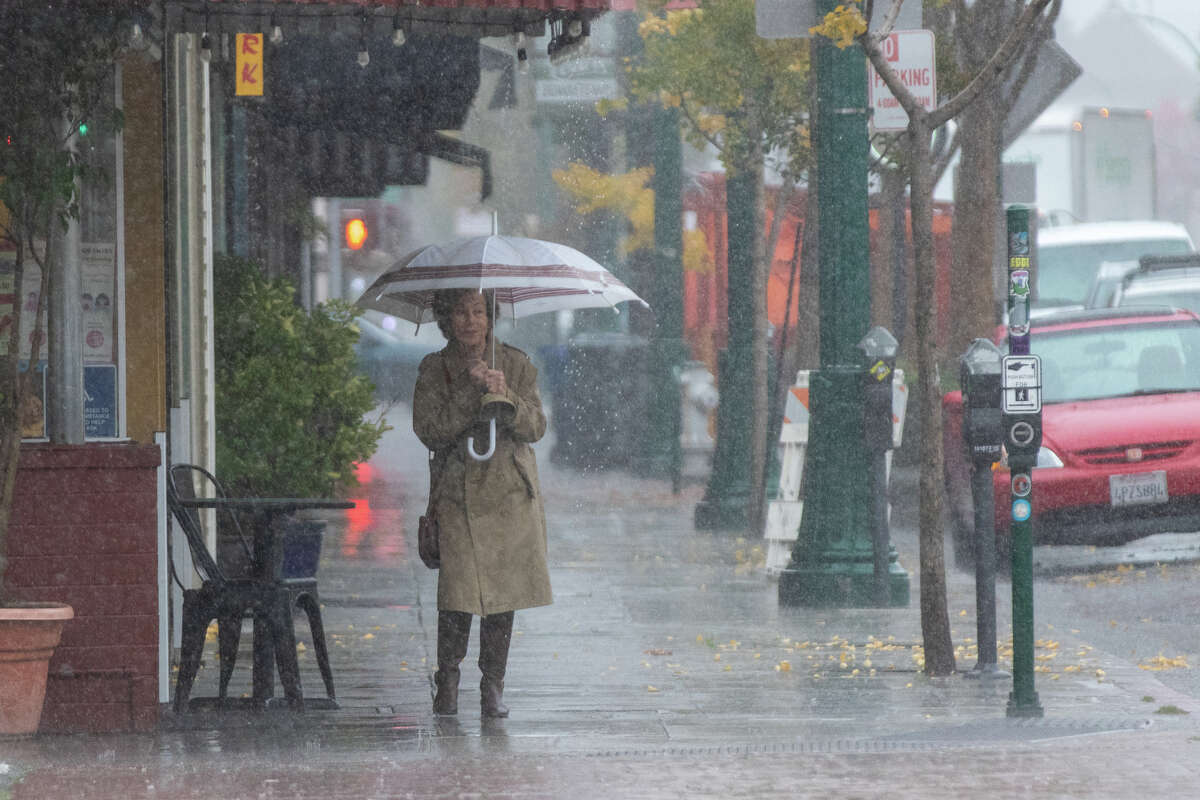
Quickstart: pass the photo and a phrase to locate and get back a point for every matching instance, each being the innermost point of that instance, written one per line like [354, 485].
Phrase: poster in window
[31, 281]
[97, 304]
[33, 401]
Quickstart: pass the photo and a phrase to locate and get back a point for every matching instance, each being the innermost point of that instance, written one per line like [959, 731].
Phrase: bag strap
[435, 483]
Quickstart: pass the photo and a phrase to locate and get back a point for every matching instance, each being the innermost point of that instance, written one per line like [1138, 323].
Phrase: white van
[1069, 256]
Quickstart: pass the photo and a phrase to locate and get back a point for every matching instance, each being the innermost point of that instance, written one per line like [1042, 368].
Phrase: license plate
[1139, 489]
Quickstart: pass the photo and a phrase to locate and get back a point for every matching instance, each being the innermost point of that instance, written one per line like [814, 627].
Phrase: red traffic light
[356, 233]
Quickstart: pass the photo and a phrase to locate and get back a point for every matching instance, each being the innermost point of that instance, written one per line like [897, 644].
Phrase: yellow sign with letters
[249, 64]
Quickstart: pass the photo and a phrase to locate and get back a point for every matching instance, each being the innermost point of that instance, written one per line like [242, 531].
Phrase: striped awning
[475, 18]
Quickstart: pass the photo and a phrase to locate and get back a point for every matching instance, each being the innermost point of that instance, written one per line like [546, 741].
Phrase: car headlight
[1046, 459]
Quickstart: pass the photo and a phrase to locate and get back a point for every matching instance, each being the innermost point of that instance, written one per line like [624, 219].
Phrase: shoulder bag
[427, 528]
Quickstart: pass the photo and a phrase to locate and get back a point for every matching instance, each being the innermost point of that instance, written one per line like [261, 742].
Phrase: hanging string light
[397, 32]
[205, 40]
[276, 31]
[364, 57]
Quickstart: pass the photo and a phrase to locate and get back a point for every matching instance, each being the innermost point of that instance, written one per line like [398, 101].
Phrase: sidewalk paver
[665, 666]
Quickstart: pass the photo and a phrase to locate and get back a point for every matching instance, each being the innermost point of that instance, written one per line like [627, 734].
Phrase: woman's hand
[490, 380]
[494, 380]
[478, 372]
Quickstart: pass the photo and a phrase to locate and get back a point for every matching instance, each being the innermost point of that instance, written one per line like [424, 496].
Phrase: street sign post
[1022, 423]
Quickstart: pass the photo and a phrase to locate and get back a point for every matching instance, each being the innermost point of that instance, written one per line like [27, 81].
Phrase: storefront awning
[473, 18]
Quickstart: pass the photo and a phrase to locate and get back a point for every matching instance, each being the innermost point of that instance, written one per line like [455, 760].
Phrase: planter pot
[29, 632]
[297, 554]
[301, 546]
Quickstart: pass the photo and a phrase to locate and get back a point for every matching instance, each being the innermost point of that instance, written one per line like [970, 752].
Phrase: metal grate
[1149, 451]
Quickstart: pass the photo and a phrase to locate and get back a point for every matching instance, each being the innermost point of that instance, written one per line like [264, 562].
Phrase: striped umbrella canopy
[529, 276]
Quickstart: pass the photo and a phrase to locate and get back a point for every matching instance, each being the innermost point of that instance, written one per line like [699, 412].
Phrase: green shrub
[291, 404]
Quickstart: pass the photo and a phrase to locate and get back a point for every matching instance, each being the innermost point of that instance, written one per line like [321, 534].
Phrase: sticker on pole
[1021, 510]
[1021, 379]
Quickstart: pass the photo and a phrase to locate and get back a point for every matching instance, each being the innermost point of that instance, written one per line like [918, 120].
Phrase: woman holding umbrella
[489, 512]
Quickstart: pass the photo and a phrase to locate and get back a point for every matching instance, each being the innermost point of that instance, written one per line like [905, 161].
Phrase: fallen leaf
[657, 651]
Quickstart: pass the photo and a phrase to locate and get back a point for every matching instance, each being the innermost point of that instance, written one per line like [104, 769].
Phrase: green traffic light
[83, 129]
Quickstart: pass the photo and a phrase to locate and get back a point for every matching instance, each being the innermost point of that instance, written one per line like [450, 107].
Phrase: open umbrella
[529, 276]
[526, 276]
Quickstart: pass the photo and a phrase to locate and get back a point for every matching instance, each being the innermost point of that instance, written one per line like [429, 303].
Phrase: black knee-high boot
[495, 633]
[453, 634]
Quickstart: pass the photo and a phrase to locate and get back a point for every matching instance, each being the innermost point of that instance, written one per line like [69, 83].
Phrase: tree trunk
[10, 415]
[977, 203]
[935, 619]
[757, 512]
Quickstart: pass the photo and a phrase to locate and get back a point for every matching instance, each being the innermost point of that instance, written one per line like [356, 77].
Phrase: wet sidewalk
[665, 666]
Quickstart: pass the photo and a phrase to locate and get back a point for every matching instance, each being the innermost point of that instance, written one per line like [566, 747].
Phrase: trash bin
[599, 412]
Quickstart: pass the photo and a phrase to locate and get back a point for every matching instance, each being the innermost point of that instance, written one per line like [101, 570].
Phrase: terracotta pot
[29, 632]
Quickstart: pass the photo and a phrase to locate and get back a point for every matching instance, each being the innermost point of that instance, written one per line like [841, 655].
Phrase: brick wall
[84, 532]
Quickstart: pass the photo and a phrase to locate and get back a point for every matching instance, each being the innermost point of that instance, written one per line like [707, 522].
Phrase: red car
[1120, 455]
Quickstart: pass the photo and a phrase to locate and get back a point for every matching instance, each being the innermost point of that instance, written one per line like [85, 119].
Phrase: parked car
[389, 353]
[1108, 280]
[1161, 280]
[1069, 256]
[1120, 456]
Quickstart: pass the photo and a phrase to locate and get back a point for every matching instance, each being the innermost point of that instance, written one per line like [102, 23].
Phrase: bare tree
[935, 620]
[978, 29]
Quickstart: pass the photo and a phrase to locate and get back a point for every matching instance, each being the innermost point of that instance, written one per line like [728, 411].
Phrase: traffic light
[356, 233]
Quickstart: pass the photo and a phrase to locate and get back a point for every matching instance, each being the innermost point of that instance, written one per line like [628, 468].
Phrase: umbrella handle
[491, 443]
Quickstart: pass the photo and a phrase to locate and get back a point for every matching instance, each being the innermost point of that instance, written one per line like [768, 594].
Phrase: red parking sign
[910, 55]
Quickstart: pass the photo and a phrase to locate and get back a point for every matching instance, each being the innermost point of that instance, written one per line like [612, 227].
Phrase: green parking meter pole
[1022, 425]
[833, 561]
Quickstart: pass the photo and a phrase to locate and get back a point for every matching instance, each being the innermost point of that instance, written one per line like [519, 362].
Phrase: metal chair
[263, 595]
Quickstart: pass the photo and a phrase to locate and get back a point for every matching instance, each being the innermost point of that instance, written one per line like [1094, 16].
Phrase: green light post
[663, 455]
[1022, 425]
[833, 559]
[726, 501]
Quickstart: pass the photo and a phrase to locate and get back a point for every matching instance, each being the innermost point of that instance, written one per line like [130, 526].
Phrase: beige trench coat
[493, 525]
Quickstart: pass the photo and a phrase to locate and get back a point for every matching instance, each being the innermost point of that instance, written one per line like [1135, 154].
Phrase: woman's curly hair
[444, 301]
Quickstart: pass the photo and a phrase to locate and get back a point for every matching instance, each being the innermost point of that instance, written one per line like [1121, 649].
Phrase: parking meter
[979, 376]
[879, 352]
[879, 348]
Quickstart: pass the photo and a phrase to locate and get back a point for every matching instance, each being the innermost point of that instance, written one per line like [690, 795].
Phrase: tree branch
[952, 108]
[889, 21]
[683, 109]
[993, 68]
[1043, 30]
